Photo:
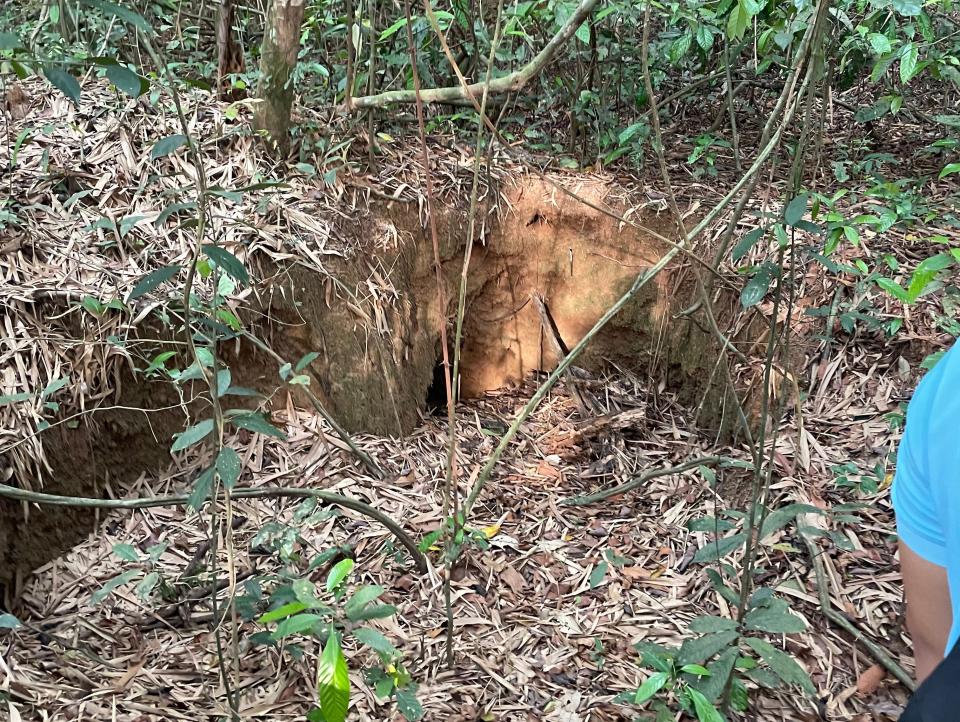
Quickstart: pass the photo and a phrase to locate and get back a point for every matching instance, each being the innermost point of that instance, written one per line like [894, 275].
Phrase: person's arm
[929, 612]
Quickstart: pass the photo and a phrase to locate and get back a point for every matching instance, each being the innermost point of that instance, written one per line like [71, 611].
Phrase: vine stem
[238, 492]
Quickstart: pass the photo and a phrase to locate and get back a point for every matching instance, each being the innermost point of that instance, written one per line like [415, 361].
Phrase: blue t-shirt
[926, 488]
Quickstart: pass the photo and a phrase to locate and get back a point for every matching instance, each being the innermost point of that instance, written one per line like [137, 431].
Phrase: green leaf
[127, 15]
[64, 82]
[282, 612]
[583, 33]
[796, 209]
[746, 243]
[128, 81]
[407, 703]
[712, 551]
[107, 589]
[873, 112]
[224, 377]
[909, 57]
[738, 22]
[201, 490]
[297, 624]
[375, 640]
[699, 649]
[706, 712]
[9, 41]
[15, 398]
[949, 169]
[228, 466]
[8, 621]
[894, 289]
[703, 625]
[783, 665]
[341, 570]
[756, 288]
[146, 585]
[393, 28]
[196, 433]
[333, 681]
[257, 423]
[126, 552]
[172, 209]
[376, 611]
[597, 575]
[361, 598]
[720, 670]
[53, 387]
[908, 8]
[232, 265]
[778, 519]
[696, 669]
[704, 37]
[152, 280]
[880, 43]
[951, 120]
[166, 146]
[774, 617]
[651, 685]
[306, 361]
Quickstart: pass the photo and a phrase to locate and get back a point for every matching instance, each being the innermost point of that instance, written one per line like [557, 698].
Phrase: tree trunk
[229, 52]
[281, 42]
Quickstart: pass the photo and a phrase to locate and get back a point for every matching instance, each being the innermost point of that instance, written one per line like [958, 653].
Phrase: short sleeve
[919, 525]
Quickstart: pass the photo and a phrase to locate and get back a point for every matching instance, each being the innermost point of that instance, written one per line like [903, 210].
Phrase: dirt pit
[374, 322]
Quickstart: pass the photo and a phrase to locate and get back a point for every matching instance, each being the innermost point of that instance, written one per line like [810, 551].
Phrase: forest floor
[547, 617]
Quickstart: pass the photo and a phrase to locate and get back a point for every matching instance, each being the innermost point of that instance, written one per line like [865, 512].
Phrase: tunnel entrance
[436, 399]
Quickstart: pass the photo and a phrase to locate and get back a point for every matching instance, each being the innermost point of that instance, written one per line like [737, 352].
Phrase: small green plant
[703, 158]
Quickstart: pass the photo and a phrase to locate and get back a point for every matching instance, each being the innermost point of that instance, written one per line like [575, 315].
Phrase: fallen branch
[826, 606]
[239, 492]
[509, 83]
[560, 350]
[638, 481]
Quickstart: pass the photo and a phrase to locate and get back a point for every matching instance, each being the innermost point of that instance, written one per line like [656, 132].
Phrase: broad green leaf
[696, 669]
[651, 685]
[228, 262]
[909, 8]
[297, 624]
[152, 280]
[224, 377]
[407, 703]
[936, 263]
[909, 57]
[375, 611]
[64, 82]
[146, 585]
[746, 243]
[894, 289]
[598, 574]
[124, 13]
[738, 22]
[126, 552]
[706, 712]
[949, 169]
[361, 598]
[53, 386]
[583, 33]
[282, 612]
[756, 288]
[778, 519]
[774, 617]
[341, 570]
[393, 28]
[306, 361]
[782, 664]
[880, 43]
[107, 589]
[9, 41]
[720, 670]
[333, 681]
[15, 398]
[257, 423]
[375, 640]
[201, 490]
[8, 621]
[228, 467]
[704, 37]
[796, 209]
[166, 146]
[128, 81]
[699, 649]
[703, 625]
[873, 112]
[173, 209]
[951, 120]
[718, 549]
[196, 433]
